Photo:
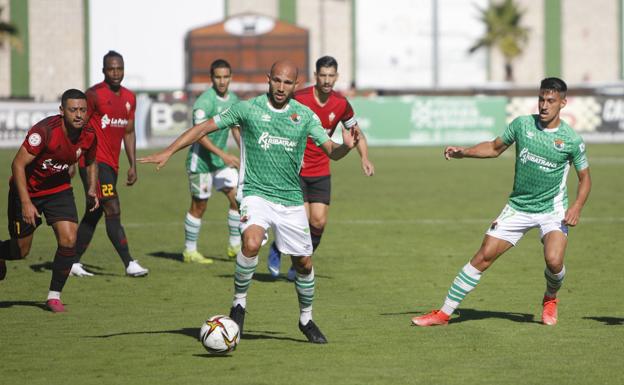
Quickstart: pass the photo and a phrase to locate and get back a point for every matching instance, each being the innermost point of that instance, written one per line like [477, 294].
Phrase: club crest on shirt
[128, 106]
[559, 144]
[331, 116]
[34, 139]
[296, 118]
[78, 153]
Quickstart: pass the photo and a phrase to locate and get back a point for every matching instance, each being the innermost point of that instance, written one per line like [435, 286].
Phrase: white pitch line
[415, 221]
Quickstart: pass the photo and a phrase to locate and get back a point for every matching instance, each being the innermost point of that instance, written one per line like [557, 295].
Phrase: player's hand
[231, 160]
[160, 159]
[71, 170]
[29, 213]
[368, 167]
[453, 152]
[572, 216]
[92, 201]
[132, 176]
[350, 137]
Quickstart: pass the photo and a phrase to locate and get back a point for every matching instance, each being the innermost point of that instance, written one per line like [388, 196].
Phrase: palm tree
[503, 32]
[8, 33]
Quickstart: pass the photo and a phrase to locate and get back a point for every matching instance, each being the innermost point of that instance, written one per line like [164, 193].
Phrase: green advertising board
[416, 120]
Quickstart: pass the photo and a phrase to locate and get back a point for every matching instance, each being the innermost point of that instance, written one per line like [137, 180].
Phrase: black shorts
[316, 189]
[107, 181]
[55, 207]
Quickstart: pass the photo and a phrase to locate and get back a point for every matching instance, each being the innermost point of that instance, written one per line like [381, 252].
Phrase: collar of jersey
[275, 109]
[223, 99]
[549, 130]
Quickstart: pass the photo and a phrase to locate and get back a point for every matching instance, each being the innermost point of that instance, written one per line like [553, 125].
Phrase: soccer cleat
[136, 270]
[549, 313]
[292, 274]
[3, 269]
[77, 270]
[232, 250]
[274, 260]
[196, 257]
[55, 306]
[312, 333]
[436, 317]
[237, 314]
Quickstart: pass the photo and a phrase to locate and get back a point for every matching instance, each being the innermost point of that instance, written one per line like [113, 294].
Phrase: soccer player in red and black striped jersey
[41, 185]
[315, 176]
[111, 111]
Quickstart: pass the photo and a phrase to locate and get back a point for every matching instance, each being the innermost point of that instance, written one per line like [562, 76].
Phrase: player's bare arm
[130, 146]
[573, 213]
[337, 151]
[490, 149]
[229, 160]
[362, 148]
[188, 137]
[22, 159]
[236, 134]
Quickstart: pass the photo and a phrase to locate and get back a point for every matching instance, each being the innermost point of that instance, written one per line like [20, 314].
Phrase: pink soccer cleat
[55, 306]
[436, 317]
[549, 313]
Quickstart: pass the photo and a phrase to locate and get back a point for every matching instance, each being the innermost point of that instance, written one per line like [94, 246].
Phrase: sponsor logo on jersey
[559, 144]
[265, 118]
[115, 122]
[545, 164]
[34, 139]
[266, 141]
[49, 164]
[582, 147]
[331, 116]
[296, 118]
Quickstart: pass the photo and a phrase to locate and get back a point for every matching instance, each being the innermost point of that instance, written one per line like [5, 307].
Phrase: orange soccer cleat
[436, 317]
[549, 313]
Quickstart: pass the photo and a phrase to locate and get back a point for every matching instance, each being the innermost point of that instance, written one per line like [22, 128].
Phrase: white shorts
[289, 224]
[511, 224]
[201, 184]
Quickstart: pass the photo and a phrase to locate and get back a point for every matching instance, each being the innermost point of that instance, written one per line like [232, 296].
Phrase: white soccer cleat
[78, 271]
[136, 270]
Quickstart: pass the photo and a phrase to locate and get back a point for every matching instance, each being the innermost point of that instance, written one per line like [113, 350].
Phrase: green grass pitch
[392, 246]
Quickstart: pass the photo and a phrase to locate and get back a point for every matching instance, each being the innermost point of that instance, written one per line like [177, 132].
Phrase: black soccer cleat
[237, 314]
[312, 333]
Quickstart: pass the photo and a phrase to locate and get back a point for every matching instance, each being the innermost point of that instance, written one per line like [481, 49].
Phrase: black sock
[316, 234]
[9, 250]
[117, 236]
[86, 230]
[63, 261]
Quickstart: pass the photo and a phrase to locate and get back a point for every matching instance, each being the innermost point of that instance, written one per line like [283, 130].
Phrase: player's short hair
[110, 54]
[554, 84]
[219, 63]
[72, 93]
[326, 61]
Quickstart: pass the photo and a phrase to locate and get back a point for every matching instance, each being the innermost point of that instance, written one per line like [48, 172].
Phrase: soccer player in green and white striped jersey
[546, 147]
[209, 165]
[274, 131]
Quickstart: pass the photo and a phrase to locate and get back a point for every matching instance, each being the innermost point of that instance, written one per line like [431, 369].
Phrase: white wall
[150, 36]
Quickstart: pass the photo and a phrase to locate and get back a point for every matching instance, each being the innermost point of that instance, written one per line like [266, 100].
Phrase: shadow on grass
[266, 277]
[608, 321]
[7, 304]
[464, 315]
[47, 266]
[178, 256]
[194, 333]
[208, 355]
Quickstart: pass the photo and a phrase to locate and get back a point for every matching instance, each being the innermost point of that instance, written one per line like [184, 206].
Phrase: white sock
[192, 226]
[54, 295]
[234, 227]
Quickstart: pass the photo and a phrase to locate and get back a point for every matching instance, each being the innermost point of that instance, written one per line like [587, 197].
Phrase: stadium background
[413, 48]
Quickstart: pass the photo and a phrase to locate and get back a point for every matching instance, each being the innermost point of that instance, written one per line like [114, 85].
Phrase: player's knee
[303, 265]
[18, 251]
[198, 207]
[111, 208]
[251, 246]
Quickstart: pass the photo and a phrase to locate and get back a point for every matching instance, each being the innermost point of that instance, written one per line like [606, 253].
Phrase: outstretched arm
[189, 136]
[573, 213]
[491, 149]
[350, 138]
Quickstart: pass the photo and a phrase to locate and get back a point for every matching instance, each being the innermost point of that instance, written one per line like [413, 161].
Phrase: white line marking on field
[422, 221]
